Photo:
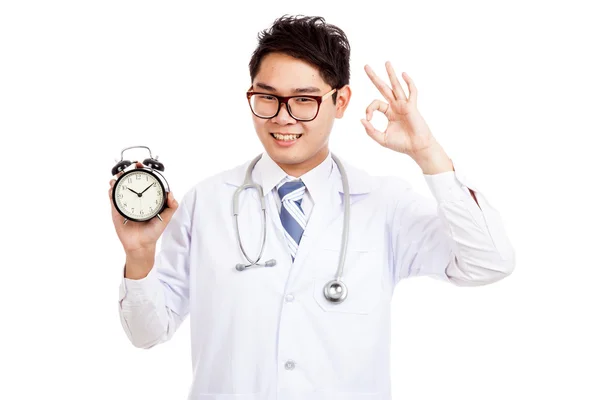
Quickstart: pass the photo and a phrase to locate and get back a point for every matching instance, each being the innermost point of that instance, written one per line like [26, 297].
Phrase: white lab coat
[269, 333]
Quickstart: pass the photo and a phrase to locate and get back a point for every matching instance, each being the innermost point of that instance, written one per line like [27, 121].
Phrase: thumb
[172, 206]
[171, 202]
[376, 135]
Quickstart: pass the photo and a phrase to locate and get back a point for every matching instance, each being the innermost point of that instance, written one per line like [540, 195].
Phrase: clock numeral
[124, 204]
[138, 177]
[128, 180]
[156, 201]
[141, 212]
[147, 178]
[149, 209]
[154, 184]
[120, 195]
[133, 210]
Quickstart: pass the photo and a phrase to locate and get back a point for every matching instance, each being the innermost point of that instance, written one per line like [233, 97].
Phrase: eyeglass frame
[285, 99]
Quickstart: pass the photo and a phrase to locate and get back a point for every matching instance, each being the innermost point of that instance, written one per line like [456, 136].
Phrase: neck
[297, 170]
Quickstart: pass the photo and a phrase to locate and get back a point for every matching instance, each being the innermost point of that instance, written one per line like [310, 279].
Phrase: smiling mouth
[285, 137]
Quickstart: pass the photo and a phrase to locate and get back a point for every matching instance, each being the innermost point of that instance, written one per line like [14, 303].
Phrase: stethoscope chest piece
[335, 291]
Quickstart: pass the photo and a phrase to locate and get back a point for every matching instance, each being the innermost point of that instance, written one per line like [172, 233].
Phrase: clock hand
[146, 189]
[134, 192]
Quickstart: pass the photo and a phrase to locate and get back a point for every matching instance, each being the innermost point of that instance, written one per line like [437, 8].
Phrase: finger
[115, 213]
[377, 105]
[117, 217]
[384, 89]
[412, 88]
[396, 87]
[172, 206]
[378, 136]
[137, 165]
[171, 202]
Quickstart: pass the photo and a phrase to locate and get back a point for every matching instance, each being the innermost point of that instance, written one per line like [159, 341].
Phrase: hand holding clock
[139, 238]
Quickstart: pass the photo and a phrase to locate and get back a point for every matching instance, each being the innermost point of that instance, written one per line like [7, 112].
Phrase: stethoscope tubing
[337, 285]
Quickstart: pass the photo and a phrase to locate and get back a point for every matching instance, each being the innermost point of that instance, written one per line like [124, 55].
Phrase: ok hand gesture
[406, 132]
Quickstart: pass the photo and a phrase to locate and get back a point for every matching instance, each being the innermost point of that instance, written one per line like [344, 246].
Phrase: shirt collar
[316, 180]
[360, 182]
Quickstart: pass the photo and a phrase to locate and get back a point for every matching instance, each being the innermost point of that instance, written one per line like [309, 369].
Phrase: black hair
[310, 39]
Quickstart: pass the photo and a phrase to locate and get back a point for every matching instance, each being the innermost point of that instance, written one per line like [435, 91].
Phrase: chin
[283, 157]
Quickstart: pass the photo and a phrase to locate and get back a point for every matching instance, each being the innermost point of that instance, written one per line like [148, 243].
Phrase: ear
[342, 99]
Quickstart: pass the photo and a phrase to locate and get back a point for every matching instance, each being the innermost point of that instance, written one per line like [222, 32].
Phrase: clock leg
[159, 217]
[124, 222]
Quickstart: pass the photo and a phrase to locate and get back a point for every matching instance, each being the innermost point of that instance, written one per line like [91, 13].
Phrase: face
[283, 75]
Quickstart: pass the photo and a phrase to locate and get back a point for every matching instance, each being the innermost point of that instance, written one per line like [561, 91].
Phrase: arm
[457, 237]
[460, 239]
[152, 307]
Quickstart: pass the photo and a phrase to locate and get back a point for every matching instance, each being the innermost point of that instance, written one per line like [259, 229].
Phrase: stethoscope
[335, 290]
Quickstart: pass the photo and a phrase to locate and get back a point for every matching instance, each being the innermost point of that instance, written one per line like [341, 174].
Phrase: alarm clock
[140, 194]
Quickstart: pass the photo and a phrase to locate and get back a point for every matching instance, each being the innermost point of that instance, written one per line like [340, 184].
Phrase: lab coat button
[289, 298]
[289, 365]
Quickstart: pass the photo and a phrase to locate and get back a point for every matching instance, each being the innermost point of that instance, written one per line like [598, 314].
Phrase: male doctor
[268, 332]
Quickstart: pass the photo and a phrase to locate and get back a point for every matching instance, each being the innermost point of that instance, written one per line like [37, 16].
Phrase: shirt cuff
[451, 189]
[139, 290]
[450, 185]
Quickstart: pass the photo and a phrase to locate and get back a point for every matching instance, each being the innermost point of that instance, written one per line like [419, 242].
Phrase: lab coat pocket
[362, 275]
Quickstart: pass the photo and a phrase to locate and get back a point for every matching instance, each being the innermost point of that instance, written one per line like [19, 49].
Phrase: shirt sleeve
[450, 237]
[152, 308]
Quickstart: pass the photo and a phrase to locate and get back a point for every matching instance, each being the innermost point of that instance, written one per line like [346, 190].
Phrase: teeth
[285, 137]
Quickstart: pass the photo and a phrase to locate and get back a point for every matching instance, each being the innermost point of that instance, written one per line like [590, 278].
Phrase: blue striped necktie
[292, 216]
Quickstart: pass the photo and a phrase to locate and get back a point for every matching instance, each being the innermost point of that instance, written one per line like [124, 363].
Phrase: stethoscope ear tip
[240, 267]
[270, 263]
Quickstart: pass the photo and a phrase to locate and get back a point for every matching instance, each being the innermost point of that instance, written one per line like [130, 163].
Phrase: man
[269, 332]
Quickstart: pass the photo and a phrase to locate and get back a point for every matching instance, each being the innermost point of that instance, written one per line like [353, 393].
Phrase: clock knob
[154, 164]
[120, 166]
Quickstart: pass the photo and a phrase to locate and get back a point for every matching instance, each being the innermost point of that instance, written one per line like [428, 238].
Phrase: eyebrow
[309, 89]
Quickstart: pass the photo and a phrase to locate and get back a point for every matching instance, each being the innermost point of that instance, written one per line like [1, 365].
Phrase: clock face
[139, 195]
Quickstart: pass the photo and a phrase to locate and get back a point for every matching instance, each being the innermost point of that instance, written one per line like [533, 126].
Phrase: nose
[283, 117]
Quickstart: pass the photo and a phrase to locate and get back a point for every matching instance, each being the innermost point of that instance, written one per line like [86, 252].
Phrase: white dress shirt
[268, 332]
[274, 175]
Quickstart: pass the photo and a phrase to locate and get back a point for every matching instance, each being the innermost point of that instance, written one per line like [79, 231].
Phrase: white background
[509, 88]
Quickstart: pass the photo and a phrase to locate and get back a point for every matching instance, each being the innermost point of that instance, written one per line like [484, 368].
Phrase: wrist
[433, 160]
[138, 263]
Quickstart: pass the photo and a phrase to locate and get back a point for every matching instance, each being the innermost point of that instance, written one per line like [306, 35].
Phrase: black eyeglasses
[302, 108]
